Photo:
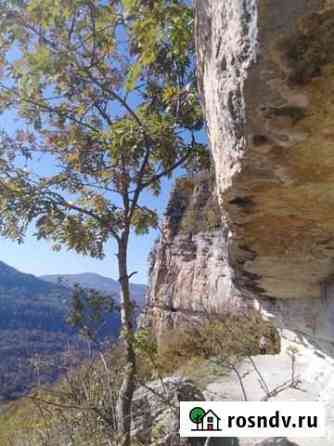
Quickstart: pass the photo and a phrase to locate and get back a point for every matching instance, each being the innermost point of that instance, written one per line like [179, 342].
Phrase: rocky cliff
[189, 272]
[266, 76]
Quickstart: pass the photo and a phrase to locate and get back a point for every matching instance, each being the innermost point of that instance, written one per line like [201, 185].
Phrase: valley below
[36, 344]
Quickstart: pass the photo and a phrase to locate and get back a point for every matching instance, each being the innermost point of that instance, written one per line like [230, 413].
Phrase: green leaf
[133, 75]
[129, 5]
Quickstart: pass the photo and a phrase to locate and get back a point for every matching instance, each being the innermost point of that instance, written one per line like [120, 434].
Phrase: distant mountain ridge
[97, 282]
[27, 284]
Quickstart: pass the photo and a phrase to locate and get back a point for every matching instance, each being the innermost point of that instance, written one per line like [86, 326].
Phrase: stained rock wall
[190, 273]
[266, 71]
[266, 75]
[266, 78]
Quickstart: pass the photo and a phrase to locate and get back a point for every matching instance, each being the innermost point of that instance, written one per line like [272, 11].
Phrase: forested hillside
[36, 343]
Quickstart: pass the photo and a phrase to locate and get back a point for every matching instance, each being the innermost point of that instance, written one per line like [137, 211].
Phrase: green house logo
[205, 421]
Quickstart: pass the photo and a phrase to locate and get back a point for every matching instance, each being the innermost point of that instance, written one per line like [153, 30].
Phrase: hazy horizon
[36, 257]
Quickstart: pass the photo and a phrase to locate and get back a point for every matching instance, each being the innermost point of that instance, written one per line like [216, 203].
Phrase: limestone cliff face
[266, 71]
[266, 77]
[266, 74]
[190, 273]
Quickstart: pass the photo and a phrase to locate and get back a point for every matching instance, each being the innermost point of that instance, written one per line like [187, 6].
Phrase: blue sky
[36, 256]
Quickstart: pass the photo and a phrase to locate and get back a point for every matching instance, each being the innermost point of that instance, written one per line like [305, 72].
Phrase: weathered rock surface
[156, 414]
[266, 74]
[190, 273]
[266, 70]
[266, 77]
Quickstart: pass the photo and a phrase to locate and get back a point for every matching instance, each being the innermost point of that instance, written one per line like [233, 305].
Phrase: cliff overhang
[266, 72]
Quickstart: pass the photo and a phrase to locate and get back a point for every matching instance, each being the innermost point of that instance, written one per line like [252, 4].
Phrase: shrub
[227, 337]
[78, 410]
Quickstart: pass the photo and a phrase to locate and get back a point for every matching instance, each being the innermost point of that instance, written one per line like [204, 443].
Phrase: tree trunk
[127, 388]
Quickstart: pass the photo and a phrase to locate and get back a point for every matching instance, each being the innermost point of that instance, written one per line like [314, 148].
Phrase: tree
[89, 312]
[105, 91]
[196, 415]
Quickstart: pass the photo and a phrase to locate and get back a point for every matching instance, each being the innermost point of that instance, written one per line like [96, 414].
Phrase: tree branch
[166, 172]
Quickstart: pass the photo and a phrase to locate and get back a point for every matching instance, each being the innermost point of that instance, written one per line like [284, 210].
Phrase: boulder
[156, 412]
